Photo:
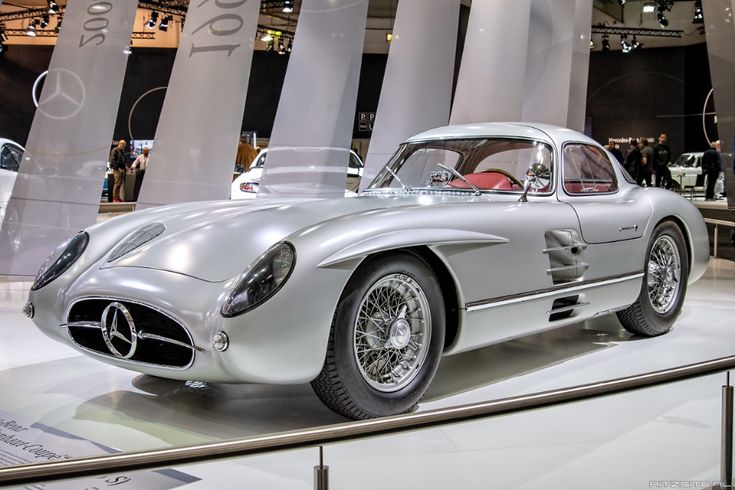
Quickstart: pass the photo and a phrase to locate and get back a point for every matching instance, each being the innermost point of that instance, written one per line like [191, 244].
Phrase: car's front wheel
[664, 284]
[386, 339]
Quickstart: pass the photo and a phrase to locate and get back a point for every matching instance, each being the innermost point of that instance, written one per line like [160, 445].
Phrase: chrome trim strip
[97, 325]
[146, 336]
[566, 308]
[348, 431]
[125, 361]
[552, 291]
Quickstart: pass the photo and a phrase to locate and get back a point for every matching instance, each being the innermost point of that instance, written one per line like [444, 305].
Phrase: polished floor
[636, 440]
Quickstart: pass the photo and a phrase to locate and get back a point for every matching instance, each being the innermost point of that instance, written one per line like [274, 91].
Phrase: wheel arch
[445, 281]
[685, 232]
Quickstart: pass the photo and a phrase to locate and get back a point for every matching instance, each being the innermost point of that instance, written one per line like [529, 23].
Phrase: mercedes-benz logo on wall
[118, 330]
[64, 96]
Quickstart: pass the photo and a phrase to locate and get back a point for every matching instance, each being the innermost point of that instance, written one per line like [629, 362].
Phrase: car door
[612, 218]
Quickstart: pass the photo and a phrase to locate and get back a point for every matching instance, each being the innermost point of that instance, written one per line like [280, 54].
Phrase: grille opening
[147, 320]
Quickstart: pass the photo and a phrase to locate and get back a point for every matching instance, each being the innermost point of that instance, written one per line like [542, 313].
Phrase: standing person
[645, 171]
[633, 160]
[711, 167]
[245, 155]
[612, 148]
[140, 162]
[117, 164]
[661, 162]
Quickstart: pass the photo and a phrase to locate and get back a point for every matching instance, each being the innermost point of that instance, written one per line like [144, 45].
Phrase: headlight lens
[140, 237]
[61, 259]
[262, 280]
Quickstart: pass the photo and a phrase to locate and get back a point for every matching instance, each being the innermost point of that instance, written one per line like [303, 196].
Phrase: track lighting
[698, 13]
[164, 22]
[53, 7]
[151, 24]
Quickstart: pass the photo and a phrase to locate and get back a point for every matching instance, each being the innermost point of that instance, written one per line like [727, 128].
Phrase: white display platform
[53, 385]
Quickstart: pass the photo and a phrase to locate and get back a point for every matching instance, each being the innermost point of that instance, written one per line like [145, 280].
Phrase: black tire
[343, 385]
[642, 317]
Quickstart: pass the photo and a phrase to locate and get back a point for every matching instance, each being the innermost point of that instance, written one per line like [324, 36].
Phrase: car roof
[5, 140]
[536, 131]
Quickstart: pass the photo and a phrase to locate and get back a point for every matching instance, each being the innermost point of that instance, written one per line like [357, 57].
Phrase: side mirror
[538, 177]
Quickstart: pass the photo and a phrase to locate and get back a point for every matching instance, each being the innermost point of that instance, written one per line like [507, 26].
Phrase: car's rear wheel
[664, 284]
[386, 339]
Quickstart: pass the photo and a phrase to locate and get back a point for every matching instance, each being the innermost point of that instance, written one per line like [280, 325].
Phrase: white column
[720, 29]
[549, 62]
[580, 65]
[490, 82]
[312, 132]
[194, 151]
[417, 86]
[57, 191]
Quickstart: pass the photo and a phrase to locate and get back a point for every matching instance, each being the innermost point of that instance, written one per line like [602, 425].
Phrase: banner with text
[198, 132]
[310, 143]
[57, 190]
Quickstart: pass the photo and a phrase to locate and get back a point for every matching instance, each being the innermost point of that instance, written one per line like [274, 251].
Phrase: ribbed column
[720, 29]
[493, 69]
[57, 191]
[194, 151]
[312, 132]
[577, 112]
[417, 86]
[549, 62]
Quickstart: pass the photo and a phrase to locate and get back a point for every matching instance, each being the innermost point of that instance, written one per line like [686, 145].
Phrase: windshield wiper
[405, 187]
[461, 177]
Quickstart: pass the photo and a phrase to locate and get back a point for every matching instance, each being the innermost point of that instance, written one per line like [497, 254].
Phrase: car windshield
[685, 161]
[490, 164]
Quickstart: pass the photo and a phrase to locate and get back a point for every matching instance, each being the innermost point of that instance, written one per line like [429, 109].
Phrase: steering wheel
[510, 176]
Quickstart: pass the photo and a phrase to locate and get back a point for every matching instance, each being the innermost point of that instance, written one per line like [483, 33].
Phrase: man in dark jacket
[661, 161]
[118, 164]
[711, 167]
[645, 171]
[633, 160]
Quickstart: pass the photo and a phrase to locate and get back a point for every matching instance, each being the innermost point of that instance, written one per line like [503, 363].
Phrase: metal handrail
[718, 223]
[27, 474]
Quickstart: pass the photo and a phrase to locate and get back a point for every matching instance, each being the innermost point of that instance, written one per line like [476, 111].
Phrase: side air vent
[565, 251]
[564, 307]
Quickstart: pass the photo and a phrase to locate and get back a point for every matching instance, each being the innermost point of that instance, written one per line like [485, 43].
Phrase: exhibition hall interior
[293, 244]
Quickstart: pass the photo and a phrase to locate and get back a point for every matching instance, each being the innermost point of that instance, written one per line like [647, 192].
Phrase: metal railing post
[726, 444]
[321, 473]
[716, 234]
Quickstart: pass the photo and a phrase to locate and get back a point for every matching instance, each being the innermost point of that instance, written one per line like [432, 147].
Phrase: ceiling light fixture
[44, 21]
[31, 29]
[649, 7]
[288, 6]
[698, 13]
[53, 7]
[164, 22]
[624, 44]
[151, 24]
[605, 42]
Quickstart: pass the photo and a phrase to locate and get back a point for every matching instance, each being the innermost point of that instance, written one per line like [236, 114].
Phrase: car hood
[216, 241]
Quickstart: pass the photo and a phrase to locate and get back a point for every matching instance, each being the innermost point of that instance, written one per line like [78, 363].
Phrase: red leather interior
[486, 181]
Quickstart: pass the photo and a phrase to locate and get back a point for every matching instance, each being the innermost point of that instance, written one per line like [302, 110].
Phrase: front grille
[155, 338]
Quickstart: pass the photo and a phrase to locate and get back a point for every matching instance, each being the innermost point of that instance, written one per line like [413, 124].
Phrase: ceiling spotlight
[164, 22]
[281, 46]
[58, 23]
[288, 6]
[662, 20]
[388, 37]
[698, 13]
[151, 24]
[31, 29]
[288, 46]
[44, 21]
[53, 7]
[621, 2]
[267, 38]
[636, 45]
[605, 42]
[592, 44]
[3, 36]
[649, 7]
[269, 46]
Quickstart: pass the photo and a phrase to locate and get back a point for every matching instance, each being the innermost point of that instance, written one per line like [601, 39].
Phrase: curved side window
[587, 170]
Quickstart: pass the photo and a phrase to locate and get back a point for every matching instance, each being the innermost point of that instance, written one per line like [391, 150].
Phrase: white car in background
[246, 185]
[11, 154]
[687, 170]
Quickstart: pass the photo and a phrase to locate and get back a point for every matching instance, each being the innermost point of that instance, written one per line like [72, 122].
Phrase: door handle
[628, 228]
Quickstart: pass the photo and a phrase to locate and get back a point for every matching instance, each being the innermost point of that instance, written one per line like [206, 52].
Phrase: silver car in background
[471, 235]
[11, 154]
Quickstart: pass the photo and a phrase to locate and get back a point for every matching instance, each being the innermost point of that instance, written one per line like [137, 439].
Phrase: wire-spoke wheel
[386, 339]
[664, 284]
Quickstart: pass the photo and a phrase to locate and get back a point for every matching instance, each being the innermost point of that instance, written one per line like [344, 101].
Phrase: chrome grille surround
[157, 338]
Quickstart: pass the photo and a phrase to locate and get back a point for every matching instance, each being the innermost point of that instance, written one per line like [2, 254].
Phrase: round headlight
[262, 280]
[61, 259]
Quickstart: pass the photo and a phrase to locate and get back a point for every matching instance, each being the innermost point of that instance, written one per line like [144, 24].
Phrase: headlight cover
[140, 237]
[61, 259]
[262, 280]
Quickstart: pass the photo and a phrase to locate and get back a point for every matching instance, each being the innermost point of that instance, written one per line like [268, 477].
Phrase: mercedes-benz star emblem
[63, 95]
[118, 330]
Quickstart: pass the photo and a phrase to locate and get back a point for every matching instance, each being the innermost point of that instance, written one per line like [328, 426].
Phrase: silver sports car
[470, 235]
